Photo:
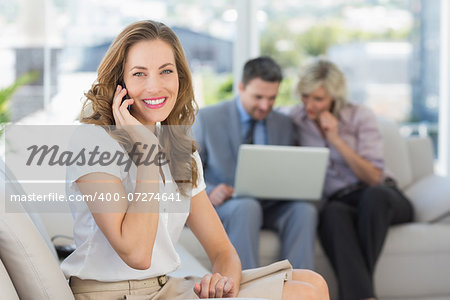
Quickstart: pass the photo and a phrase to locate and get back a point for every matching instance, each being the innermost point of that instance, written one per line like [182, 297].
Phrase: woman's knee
[382, 201]
[294, 290]
[303, 290]
[313, 278]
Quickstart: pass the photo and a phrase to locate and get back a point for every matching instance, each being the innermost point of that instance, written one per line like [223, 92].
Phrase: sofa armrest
[421, 157]
[430, 197]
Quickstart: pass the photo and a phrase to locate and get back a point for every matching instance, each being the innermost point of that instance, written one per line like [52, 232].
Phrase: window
[65, 40]
[388, 49]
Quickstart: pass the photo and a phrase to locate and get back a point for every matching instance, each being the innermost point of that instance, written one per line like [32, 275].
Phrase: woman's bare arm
[129, 226]
[207, 227]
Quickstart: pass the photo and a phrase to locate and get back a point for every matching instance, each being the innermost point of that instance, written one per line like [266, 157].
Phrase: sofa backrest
[396, 153]
[421, 157]
[408, 159]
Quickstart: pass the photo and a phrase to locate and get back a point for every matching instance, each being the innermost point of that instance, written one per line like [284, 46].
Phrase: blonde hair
[97, 108]
[323, 73]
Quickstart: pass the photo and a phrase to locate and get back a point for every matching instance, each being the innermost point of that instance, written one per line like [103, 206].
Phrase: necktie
[249, 136]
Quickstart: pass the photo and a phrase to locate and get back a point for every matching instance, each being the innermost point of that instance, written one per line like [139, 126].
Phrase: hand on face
[215, 286]
[122, 117]
[220, 194]
[329, 125]
[121, 114]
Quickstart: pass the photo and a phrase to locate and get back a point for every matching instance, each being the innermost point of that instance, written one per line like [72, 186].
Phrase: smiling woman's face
[151, 79]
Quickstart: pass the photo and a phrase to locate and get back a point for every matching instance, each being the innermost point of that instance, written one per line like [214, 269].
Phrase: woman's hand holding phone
[123, 118]
[121, 114]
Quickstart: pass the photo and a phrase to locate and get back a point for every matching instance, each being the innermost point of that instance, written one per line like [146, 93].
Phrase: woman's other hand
[215, 286]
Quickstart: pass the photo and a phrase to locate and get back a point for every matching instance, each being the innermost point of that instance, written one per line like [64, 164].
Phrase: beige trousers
[265, 282]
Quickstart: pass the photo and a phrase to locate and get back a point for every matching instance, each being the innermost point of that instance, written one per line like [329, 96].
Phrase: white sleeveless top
[94, 258]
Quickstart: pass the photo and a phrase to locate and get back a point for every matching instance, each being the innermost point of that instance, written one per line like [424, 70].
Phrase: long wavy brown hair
[175, 140]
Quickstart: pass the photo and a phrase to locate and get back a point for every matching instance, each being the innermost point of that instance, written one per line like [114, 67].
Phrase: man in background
[248, 119]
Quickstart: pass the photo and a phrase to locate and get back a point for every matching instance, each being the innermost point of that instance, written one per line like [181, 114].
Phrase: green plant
[286, 94]
[225, 90]
[317, 39]
[216, 87]
[6, 93]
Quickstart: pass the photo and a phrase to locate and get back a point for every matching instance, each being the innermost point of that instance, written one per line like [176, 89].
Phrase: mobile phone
[331, 108]
[122, 83]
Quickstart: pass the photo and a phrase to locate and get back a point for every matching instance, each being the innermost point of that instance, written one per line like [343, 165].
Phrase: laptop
[281, 172]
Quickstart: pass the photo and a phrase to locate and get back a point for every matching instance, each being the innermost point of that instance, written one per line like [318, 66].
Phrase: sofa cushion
[190, 266]
[414, 262]
[269, 247]
[396, 155]
[189, 242]
[445, 219]
[430, 197]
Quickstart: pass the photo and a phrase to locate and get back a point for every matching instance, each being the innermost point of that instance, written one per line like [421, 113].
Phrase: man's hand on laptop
[220, 194]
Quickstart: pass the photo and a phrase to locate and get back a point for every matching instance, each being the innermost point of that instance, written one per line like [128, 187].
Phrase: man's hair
[262, 67]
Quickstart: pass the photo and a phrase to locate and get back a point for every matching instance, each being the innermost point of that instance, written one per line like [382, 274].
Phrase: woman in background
[361, 200]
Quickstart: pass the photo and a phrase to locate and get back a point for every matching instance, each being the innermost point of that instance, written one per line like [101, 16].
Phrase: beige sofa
[415, 262]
